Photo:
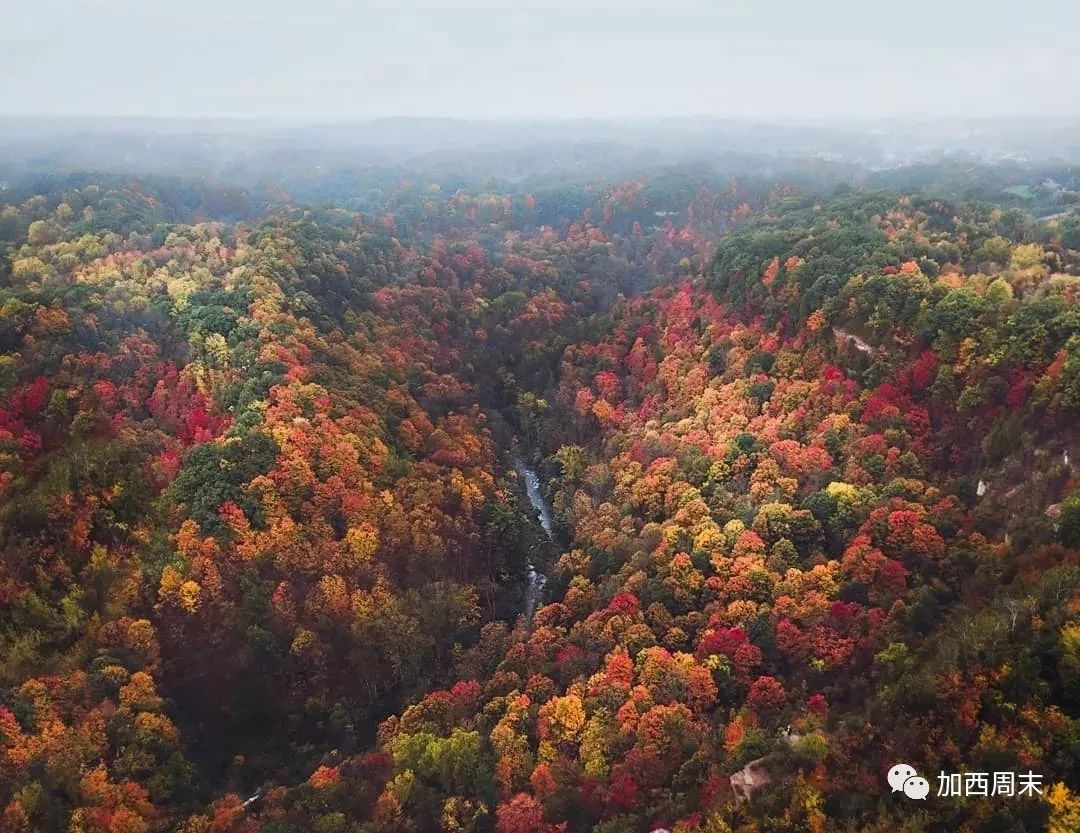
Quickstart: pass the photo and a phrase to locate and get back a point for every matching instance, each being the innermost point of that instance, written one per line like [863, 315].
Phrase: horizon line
[820, 120]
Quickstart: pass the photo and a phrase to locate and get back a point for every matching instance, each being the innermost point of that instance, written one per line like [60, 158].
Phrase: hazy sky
[578, 58]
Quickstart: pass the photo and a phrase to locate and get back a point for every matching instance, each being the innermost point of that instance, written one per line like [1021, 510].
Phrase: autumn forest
[804, 443]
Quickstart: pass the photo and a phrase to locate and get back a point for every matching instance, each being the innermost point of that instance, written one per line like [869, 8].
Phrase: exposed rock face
[754, 776]
[850, 338]
[749, 780]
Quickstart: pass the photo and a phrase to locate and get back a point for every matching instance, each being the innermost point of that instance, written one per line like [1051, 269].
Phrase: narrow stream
[534, 579]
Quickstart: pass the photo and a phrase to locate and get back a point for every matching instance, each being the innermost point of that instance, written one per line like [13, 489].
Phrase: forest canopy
[808, 441]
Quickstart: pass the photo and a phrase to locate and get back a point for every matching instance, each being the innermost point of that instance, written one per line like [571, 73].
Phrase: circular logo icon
[899, 774]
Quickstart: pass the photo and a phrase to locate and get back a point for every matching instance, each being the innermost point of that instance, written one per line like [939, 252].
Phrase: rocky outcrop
[851, 338]
[749, 780]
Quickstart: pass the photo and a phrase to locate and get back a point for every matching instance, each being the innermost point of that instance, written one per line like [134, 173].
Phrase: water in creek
[534, 579]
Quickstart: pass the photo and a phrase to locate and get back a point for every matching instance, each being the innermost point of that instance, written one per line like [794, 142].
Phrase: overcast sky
[573, 58]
